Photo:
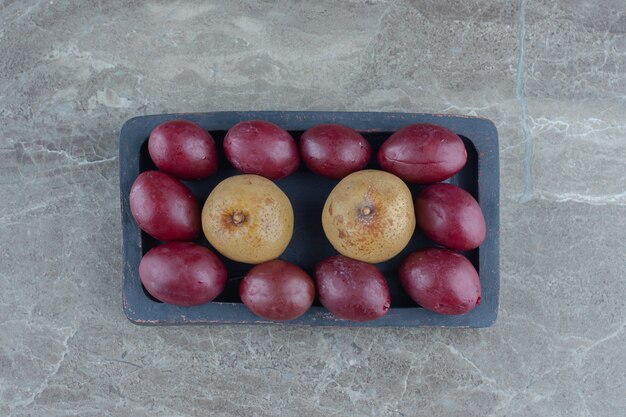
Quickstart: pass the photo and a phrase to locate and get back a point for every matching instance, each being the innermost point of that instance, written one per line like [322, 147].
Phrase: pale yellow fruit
[369, 216]
[247, 218]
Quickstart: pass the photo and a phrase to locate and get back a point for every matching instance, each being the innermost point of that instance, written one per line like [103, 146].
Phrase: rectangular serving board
[307, 193]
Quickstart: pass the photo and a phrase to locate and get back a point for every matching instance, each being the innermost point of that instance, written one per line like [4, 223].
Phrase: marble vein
[456, 352]
[590, 128]
[618, 199]
[606, 338]
[36, 392]
[527, 194]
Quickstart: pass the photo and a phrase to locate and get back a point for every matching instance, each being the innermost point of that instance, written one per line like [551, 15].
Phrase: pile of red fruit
[369, 217]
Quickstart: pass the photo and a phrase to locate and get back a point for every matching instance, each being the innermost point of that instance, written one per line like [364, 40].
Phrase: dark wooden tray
[308, 193]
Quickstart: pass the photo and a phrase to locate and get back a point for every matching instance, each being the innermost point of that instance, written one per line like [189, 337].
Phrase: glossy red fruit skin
[334, 151]
[164, 207]
[262, 148]
[441, 280]
[183, 149]
[182, 273]
[450, 216]
[351, 289]
[423, 153]
[277, 290]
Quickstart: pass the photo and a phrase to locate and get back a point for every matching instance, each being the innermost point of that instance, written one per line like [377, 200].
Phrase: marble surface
[550, 74]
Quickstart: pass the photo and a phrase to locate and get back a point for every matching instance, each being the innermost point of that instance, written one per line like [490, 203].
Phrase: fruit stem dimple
[366, 211]
[238, 218]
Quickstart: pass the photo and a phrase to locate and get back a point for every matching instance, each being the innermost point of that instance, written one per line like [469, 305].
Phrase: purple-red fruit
[183, 149]
[164, 207]
[182, 273]
[450, 216]
[351, 289]
[423, 153]
[277, 290]
[262, 148]
[334, 151]
[441, 281]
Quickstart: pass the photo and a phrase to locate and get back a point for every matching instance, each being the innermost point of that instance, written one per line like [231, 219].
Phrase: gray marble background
[550, 74]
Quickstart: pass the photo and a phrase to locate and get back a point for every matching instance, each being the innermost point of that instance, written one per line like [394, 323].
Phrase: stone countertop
[551, 75]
